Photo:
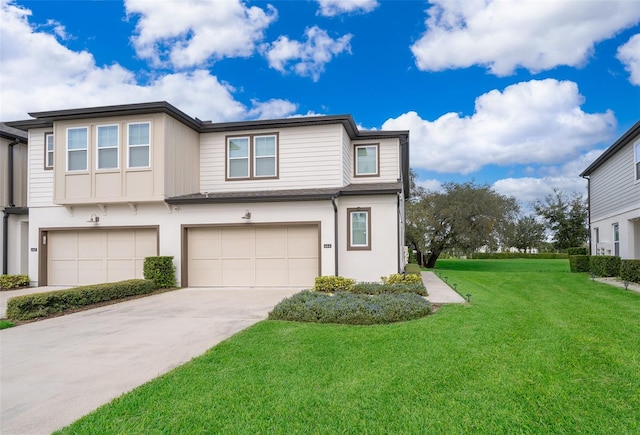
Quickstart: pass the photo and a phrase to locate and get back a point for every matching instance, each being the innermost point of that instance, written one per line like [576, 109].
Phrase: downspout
[335, 231]
[400, 242]
[5, 218]
[589, 212]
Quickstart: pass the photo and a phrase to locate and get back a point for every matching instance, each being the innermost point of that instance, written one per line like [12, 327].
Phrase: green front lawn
[538, 350]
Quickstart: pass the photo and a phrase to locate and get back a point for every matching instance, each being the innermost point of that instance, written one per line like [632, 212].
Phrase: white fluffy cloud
[331, 8]
[274, 108]
[73, 79]
[535, 122]
[193, 32]
[505, 35]
[306, 58]
[629, 55]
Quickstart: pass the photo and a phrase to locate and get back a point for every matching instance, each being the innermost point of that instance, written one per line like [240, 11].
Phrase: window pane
[265, 146]
[107, 136]
[139, 134]
[108, 158]
[359, 229]
[77, 138]
[49, 142]
[238, 168]
[239, 147]
[266, 166]
[367, 160]
[138, 157]
[49, 159]
[78, 160]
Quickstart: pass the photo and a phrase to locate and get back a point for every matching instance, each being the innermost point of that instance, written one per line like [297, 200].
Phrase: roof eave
[626, 138]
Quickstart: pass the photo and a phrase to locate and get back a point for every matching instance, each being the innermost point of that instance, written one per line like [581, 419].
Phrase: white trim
[274, 156]
[247, 158]
[376, 147]
[86, 149]
[116, 147]
[129, 146]
[47, 151]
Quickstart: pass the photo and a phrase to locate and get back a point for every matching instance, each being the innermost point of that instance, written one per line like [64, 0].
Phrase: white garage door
[95, 256]
[284, 255]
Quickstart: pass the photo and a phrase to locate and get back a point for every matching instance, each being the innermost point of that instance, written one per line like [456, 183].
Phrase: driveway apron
[54, 371]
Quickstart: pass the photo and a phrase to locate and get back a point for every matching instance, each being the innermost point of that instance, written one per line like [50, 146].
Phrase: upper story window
[48, 150]
[359, 225]
[638, 161]
[252, 157]
[77, 143]
[139, 145]
[367, 159]
[107, 145]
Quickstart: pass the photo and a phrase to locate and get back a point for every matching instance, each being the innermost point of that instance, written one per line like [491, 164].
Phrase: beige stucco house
[614, 198]
[252, 203]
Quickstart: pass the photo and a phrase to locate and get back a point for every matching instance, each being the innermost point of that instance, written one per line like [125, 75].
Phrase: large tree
[525, 234]
[462, 217]
[565, 217]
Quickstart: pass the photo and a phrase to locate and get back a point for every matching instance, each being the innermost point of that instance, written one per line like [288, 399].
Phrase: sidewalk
[439, 292]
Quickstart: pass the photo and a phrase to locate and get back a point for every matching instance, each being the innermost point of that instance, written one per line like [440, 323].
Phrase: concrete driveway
[55, 371]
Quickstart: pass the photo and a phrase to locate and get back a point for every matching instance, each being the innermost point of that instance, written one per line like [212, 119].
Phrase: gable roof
[626, 138]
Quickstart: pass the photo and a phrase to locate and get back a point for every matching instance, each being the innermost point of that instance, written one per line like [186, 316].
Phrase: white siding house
[252, 203]
[614, 198]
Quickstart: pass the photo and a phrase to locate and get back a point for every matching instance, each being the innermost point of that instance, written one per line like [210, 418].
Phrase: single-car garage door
[94, 256]
[282, 255]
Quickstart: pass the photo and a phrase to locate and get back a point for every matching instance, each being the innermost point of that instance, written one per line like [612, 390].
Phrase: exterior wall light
[247, 215]
[94, 219]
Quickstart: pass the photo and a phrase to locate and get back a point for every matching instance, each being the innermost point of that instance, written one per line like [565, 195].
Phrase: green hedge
[605, 265]
[412, 268]
[577, 251]
[630, 270]
[375, 288]
[8, 282]
[37, 305]
[349, 308]
[579, 263]
[507, 255]
[160, 270]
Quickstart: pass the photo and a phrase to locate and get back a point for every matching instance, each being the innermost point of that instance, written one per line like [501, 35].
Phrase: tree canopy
[566, 218]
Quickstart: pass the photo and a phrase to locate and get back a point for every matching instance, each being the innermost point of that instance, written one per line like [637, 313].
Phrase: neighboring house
[14, 238]
[253, 203]
[614, 198]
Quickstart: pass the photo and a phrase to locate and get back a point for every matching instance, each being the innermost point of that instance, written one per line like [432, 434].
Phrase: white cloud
[274, 108]
[431, 185]
[331, 8]
[194, 32]
[72, 79]
[505, 35]
[535, 122]
[629, 55]
[306, 58]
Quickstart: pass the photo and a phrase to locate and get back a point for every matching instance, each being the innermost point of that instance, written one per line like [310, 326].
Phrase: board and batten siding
[181, 158]
[389, 169]
[613, 185]
[309, 157]
[347, 159]
[20, 156]
[40, 191]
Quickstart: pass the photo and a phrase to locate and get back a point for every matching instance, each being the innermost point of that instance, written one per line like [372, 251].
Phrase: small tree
[565, 217]
[525, 234]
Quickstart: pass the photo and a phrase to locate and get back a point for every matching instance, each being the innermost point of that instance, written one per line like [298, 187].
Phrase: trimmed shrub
[33, 306]
[375, 288]
[398, 278]
[508, 255]
[351, 309]
[332, 284]
[412, 268]
[630, 270]
[160, 270]
[581, 250]
[8, 282]
[605, 265]
[579, 263]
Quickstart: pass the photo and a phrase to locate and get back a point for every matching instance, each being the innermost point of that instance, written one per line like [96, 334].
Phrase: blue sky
[521, 95]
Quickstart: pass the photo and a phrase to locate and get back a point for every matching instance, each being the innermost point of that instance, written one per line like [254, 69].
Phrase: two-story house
[252, 203]
[14, 237]
[614, 198]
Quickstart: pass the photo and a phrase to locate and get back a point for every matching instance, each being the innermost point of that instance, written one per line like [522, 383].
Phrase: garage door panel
[63, 272]
[271, 271]
[146, 244]
[301, 243]
[62, 246]
[91, 244]
[236, 242]
[302, 271]
[204, 273]
[119, 270]
[120, 244]
[237, 272]
[91, 271]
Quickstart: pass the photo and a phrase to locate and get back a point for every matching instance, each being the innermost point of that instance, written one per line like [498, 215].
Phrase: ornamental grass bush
[37, 305]
[349, 308]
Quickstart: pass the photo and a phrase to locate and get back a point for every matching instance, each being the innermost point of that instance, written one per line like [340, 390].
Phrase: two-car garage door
[78, 257]
[278, 255]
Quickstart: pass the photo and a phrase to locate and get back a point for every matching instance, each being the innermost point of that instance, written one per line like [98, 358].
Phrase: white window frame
[616, 238]
[374, 146]
[116, 147]
[252, 157]
[351, 246]
[78, 150]
[247, 158]
[636, 166]
[274, 156]
[130, 146]
[49, 152]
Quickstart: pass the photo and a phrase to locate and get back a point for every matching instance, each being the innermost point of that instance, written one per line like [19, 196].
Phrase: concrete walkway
[439, 291]
[57, 370]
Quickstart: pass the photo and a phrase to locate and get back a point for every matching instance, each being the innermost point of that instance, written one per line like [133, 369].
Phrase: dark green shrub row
[374, 288]
[349, 308]
[579, 263]
[605, 265]
[8, 282]
[506, 255]
[412, 268]
[36, 305]
[630, 270]
[160, 270]
[577, 251]
[331, 284]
